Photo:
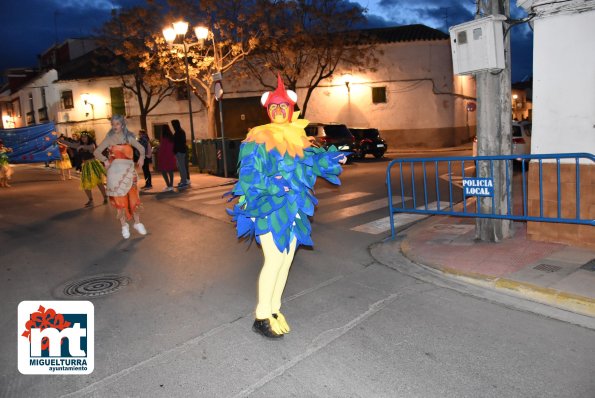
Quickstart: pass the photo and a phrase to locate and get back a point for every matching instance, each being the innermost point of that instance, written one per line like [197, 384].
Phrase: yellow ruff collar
[286, 137]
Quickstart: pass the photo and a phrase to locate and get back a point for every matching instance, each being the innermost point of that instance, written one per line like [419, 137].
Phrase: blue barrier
[487, 186]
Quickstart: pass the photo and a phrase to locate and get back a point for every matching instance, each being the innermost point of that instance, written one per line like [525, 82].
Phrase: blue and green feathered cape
[275, 190]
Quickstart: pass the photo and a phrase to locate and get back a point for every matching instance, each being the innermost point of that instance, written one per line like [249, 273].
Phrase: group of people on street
[173, 152]
[115, 174]
[278, 166]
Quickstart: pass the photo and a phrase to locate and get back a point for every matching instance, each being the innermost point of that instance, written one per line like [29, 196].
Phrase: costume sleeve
[69, 144]
[325, 163]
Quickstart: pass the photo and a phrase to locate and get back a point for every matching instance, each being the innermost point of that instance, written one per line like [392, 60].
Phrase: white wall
[34, 87]
[85, 116]
[411, 72]
[564, 84]
[418, 77]
[97, 117]
[419, 82]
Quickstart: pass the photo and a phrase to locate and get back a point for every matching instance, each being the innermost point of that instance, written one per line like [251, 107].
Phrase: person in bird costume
[278, 167]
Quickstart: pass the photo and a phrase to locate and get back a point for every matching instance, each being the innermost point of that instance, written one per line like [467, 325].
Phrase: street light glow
[201, 32]
[169, 34]
[180, 27]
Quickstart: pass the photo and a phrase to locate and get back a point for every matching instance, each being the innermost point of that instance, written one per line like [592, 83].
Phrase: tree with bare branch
[232, 35]
[306, 41]
[126, 35]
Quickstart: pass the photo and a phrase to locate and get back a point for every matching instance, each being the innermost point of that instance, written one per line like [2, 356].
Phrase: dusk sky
[32, 26]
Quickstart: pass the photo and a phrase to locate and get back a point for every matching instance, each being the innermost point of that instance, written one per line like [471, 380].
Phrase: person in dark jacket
[166, 159]
[180, 150]
[145, 141]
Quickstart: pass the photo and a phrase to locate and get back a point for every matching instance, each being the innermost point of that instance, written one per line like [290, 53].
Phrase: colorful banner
[32, 144]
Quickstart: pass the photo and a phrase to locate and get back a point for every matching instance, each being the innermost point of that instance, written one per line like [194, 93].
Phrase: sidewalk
[198, 180]
[463, 147]
[554, 274]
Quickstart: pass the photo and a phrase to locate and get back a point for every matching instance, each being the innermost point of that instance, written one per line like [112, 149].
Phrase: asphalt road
[181, 327]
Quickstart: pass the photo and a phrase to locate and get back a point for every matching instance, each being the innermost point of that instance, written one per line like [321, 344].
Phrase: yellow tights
[273, 276]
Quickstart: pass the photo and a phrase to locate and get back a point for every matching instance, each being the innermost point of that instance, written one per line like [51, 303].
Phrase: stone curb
[553, 297]
[424, 150]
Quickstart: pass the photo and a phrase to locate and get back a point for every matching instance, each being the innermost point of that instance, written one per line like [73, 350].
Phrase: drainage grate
[547, 268]
[590, 266]
[96, 286]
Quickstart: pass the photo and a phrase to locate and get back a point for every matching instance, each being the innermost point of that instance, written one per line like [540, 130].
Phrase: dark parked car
[368, 141]
[329, 134]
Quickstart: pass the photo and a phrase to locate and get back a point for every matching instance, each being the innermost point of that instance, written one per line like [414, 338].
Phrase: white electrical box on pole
[482, 47]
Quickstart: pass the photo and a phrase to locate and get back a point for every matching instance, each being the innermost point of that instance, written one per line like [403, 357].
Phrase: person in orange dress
[121, 173]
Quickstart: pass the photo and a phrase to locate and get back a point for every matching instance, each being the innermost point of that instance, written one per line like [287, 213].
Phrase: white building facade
[564, 110]
[412, 97]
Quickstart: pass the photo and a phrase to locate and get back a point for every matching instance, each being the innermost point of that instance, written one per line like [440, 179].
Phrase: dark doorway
[239, 115]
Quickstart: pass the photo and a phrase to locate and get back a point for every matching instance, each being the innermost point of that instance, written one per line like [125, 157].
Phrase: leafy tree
[232, 35]
[307, 40]
[126, 35]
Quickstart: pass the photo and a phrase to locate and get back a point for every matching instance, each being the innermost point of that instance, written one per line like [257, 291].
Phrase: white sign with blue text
[478, 186]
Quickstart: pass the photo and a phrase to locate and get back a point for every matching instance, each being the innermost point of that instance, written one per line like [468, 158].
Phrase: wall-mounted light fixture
[347, 80]
[86, 97]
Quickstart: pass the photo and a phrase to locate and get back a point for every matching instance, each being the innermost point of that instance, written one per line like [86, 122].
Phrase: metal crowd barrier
[486, 187]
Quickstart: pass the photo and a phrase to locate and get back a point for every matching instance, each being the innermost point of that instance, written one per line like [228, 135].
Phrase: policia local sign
[478, 186]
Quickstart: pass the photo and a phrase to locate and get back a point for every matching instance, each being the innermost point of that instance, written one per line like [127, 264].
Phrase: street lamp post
[217, 78]
[179, 29]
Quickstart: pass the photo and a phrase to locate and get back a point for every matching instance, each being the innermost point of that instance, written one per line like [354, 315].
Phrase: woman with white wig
[121, 174]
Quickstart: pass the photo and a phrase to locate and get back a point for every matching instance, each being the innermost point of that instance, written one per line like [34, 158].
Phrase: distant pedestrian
[166, 159]
[75, 158]
[144, 140]
[5, 167]
[121, 174]
[92, 171]
[64, 163]
[180, 150]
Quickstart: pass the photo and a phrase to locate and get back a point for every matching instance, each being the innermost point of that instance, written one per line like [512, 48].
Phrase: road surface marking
[356, 210]
[457, 180]
[382, 225]
[207, 193]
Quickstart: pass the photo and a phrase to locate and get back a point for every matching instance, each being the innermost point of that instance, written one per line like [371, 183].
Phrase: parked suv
[368, 141]
[329, 134]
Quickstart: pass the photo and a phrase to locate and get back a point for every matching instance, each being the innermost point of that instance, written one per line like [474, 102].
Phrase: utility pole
[494, 125]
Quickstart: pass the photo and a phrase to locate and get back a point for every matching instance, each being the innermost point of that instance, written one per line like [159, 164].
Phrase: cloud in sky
[441, 14]
[434, 13]
[86, 4]
[27, 33]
